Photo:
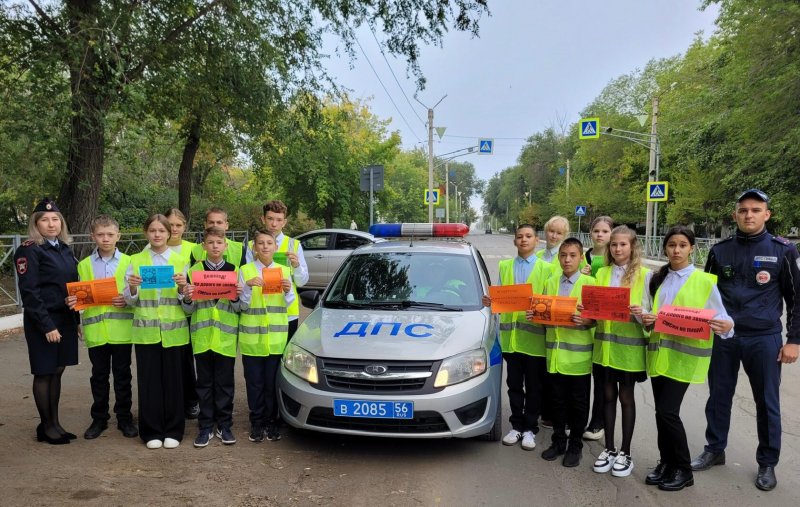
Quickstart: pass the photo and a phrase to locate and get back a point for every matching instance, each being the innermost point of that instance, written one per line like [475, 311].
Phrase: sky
[535, 64]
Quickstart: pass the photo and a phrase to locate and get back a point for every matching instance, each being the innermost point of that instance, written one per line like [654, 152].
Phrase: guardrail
[82, 245]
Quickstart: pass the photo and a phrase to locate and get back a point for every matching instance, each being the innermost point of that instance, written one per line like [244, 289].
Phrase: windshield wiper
[345, 304]
[434, 306]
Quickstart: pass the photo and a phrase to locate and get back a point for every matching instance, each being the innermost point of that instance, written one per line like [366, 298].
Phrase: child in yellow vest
[235, 253]
[107, 332]
[214, 328]
[263, 334]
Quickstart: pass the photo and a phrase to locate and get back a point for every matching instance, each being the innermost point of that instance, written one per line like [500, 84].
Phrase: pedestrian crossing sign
[589, 128]
[431, 196]
[657, 191]
[580, 211]
[485, 146]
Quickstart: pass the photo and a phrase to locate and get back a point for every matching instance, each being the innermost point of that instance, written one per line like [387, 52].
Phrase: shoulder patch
[782, 241]
[29, 242]
[22, 265]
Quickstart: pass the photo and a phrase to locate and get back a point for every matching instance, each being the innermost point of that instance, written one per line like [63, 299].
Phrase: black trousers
[189, 376]
[570, 407]
[598, 392]
[215, 389]
[106, 359]
[293, 324]
[159, 379]
[525, 377]
[672, 444]
[259, 378]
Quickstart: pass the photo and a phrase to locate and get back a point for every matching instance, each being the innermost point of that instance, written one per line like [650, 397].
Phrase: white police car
[399, 344]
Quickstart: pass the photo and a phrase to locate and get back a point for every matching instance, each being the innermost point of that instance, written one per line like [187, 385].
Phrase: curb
[11, 322]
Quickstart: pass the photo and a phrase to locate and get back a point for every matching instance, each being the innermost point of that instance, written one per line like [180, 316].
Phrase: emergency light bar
[419, 230]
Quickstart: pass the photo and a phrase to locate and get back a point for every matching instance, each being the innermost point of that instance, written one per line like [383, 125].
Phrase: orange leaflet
[93, 292]
[683, 321]
[606, 303]
[553, 310]
[272, 281]
[214, 284]
[510, 298]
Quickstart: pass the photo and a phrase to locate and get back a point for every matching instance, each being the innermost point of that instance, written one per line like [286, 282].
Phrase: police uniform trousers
[46, 357]
[259, 376]
[159, 380]
[570, 407]
[215, 389]
[525, 377]
[106, 359]
[758, 355]
[672, 444]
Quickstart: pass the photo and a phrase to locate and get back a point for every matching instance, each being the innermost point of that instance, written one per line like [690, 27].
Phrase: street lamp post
[446, 163]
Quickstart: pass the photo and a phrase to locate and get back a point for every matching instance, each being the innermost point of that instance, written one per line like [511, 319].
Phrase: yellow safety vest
[569, 349]
[556, 263]
[264, 327]
[106, 324]
[621, 345]
[214, 326]
[159, 319]
[676, 357]
[517, 334]
[233, 253]
[294, 309]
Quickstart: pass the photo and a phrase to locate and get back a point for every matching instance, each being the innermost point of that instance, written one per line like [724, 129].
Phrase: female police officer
[45, 264]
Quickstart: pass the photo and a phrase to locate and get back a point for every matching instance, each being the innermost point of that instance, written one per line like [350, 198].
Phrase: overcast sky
[535, 62]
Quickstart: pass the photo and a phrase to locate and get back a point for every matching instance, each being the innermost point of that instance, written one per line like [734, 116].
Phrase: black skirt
[45, 357]
[626, 378]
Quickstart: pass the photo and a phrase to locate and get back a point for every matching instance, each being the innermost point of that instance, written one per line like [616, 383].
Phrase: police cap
[46, 205]
[753, 193]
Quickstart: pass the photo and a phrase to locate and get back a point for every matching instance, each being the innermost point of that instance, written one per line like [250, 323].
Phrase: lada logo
[375, 369]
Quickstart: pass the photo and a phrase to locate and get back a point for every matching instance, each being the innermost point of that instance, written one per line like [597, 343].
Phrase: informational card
[272, 281]
[214, 284]
[553, 310]
[281, 258]
[686, 322]
[157, 277]
[510, 298]
[606, 303]
[93, 292]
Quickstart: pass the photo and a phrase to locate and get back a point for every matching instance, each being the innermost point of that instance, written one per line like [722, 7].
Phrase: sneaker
[226, 435]
[552, 452]
[605, 461]
[512, 437]
[528, 441]
[623, 466]
[154, 444]
[171, 443]
[572, 458]
[193, 411]
[204, 436]
[593, 434]
[273, 435]
[256, 434]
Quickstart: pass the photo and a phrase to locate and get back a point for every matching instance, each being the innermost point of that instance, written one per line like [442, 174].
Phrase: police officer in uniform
[756, 273]
[44, 264]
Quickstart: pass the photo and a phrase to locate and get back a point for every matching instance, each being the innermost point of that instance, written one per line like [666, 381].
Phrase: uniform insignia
[28, 242]
[765, 258]
[782, 241]
[22, 265]
[48, 206]
[763, 277]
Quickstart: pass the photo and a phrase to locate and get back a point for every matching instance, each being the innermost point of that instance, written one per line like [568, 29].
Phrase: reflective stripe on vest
[621, 345]
[214, 325]
[263, 329]
[159, 318]
[569, 349]
[106, 324]
[683, 359]
[517, 334]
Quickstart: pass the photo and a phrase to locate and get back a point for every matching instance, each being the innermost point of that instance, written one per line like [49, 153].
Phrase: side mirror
[309, 298]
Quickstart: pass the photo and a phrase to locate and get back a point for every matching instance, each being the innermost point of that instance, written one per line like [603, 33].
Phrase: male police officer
[757, 273]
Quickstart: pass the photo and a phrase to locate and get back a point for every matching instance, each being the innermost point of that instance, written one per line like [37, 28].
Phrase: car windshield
[406, 281]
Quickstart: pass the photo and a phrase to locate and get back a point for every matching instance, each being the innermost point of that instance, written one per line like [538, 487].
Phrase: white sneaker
[171, 443]
[512, 437]
[154, 444]
[593, 434]
[605, 461]
[528, 441]
[623, 466]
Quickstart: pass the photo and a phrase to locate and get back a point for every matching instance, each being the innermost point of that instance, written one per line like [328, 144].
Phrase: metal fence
[651, 248]
[82, 245]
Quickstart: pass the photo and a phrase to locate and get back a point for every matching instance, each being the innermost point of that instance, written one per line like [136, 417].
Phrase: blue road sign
[561, 171]
[485, 146]
[657, 191]
[580, 211]
[589, 128]
[432, 196]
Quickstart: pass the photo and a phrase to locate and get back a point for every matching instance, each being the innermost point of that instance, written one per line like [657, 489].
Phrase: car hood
[401, 335]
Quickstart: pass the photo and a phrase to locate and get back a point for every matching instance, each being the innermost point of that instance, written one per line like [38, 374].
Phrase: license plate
[374, 409]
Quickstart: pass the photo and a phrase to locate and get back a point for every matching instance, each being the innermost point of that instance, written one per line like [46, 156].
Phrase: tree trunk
[187, 164]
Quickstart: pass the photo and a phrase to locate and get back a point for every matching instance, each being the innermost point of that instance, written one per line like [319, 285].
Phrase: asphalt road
[306, 468]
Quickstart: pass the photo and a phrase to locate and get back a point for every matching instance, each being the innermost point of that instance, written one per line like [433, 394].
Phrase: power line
[395, 77]
[385, 90]
[478, 137]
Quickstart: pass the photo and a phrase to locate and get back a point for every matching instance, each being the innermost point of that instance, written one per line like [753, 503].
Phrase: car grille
[348, 375]
[423, 422]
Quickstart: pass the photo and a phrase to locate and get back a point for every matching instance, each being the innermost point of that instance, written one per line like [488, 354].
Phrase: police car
[399, 345]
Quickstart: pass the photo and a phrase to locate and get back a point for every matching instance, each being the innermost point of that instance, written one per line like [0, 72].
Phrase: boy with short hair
[569, 359]
[236, 253]
[107, 332]
[214, 329]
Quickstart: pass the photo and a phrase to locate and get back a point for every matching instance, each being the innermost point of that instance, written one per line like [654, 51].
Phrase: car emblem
[375, 369]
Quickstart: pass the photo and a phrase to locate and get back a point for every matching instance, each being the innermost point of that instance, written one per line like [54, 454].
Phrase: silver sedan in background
[326, 249]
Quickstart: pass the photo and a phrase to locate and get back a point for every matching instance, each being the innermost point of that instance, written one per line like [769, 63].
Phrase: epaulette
[781, 240]
[29, 242]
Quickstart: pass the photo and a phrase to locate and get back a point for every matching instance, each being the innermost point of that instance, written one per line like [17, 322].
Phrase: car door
[345, 243]
[316, 249]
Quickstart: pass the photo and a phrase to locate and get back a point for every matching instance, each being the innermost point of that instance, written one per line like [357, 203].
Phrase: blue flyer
[157, 277]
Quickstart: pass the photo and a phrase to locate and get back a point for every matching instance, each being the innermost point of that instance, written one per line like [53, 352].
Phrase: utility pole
[652, 169]
[567, 178]
[430, 155]
[447, 191]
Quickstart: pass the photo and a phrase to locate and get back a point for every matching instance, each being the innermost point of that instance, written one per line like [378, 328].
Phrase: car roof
[427, 245]
[341, 231]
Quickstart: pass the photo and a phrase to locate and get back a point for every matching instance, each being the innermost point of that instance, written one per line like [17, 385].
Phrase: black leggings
[47, 394]
[624, 392]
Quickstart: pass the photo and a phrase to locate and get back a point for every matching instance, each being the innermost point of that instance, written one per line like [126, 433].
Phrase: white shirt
[161, 259]
[567, 283]
[550, 253]
[300, 273]
[105, 267]
[247, 291]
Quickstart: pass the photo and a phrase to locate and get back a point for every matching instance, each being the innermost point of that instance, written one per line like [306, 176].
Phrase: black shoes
[677, 479]
[193, 411]
[658, 475]
[41, 436]
[707, 460]
[552, 452]
[97, 427]
[572, 458]
[766, 480]
[128, 429]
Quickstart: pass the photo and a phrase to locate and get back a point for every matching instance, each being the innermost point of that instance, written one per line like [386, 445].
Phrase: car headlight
[460, 368]
[301, 362]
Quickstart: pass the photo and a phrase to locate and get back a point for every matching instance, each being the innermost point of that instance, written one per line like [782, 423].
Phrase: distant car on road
[326, 249]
